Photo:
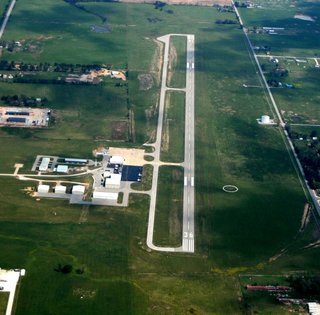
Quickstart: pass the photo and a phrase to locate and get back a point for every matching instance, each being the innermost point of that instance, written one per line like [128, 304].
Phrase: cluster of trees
[57, 67]
[309, 157]
[278, 72]
[46, 81]
[154, 20]
[225, 8]
[225, 21]
[66, 269]
[83, 8]
[305, 285]
[159, 5]
[273, 82]
[23, 100]
[237, 4]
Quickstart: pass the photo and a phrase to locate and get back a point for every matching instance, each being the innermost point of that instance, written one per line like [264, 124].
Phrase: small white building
[106, 173]
[60, 189]
[44, 164]
[265, 119]
[43, 188]
[78, 190]
[22, 272]
[104, 195]
[62, 168]
[116, 159]
[113, 182]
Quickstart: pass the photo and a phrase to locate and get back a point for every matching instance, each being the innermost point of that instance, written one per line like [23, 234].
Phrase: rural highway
[188, 164]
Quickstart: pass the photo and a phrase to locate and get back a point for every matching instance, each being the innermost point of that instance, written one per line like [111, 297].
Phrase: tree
[66, 269]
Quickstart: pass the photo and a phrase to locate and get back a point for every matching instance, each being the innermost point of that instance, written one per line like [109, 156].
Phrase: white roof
[60, 189]
[62, 168]
[105, 195]
[44, 164]
[43, 188]
[115, 159]
[22, 272]
[78, 189]
[112, 181]
[106, 173]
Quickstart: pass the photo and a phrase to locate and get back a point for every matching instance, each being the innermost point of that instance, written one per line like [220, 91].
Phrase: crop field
[113, 270]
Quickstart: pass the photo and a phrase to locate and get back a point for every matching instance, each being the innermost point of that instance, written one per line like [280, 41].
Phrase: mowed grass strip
[168, 219]
[177, 62]
[172, 145]
[4, 296]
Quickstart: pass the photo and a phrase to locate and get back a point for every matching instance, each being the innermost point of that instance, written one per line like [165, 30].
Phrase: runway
[188, 236]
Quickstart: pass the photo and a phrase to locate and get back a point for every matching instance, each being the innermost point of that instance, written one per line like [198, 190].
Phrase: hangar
[78, 190]
[60, 189]
[62, 169]
[113, 182]
[44, 164]
[43, 188]
[104, 195]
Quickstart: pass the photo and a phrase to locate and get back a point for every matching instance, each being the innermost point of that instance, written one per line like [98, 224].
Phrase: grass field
[234, 232]
[172, 145]
[177, 64]
[168, 218]
[4, 296]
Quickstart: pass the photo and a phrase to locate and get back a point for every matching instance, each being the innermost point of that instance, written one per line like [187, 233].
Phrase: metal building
[62, 168]
[60, 189]
[70, 160]
[44, 164]
[265, 119]
[104, 195]
[113, 182]
[43, 188]
[78, 190]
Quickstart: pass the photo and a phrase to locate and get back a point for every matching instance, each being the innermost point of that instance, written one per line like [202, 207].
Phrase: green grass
[168, 218]
[146, 182]
[233, 232]
[177, 66]
[172, 145]
[4, 296]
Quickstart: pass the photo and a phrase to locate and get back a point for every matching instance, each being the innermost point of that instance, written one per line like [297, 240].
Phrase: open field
[235, 232]
[172, 146]
[3, 302]
[177, 62]
[168, 221]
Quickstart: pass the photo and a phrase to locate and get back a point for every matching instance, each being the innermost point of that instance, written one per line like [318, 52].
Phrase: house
[289, 86]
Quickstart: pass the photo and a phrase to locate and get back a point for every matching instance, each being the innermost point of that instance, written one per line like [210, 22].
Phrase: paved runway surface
[188, 164]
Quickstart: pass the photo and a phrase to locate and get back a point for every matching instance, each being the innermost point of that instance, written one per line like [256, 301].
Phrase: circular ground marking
[230, 188]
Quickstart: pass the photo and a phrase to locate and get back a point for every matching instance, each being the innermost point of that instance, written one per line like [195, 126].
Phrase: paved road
[285, 136]
[5, 21]
[188, 164]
